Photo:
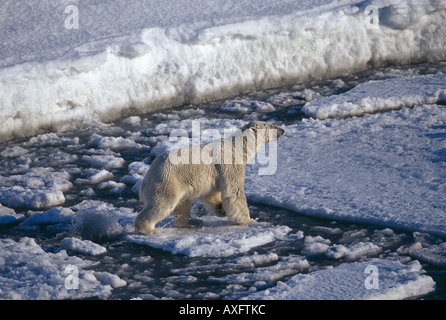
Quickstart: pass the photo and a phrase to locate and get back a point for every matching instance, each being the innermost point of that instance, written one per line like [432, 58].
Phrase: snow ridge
[166, 65]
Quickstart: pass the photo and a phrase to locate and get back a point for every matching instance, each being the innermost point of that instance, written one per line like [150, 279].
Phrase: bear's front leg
[232, 180]
[182, 214]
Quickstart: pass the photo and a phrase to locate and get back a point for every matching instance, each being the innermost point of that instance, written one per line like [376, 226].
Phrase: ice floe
[216, 238]
[381, 95]
[391, 280]
[362, 170]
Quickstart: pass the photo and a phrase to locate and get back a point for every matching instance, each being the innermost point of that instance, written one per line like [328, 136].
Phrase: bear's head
[265, 129]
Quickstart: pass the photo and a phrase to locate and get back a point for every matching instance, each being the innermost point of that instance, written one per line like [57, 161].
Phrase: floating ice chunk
[89, 192]
[105, 161]
[296, 236]
[100, 221]
[181, 279]
[266, 276]
[52, 216]
[109, 185]
[245, 106]
[37, 188]
[137, 186]
[353, 252]
[315, 245]
[51, 140]
[15, 151]
[19, 197]
[111, 143]
[144, 259]
[256, 259]
[382, 95]
[111, 279]
[82, 246]
[138, 167]
[131, 179]
[284, 267]
[8, 216]
[435, 254]
[215, 239]
[131, 120]
[51, 271]
[408, 248]
[95, 176]
[294, 262]
[326, 230]
[349, 281]
[39, 178]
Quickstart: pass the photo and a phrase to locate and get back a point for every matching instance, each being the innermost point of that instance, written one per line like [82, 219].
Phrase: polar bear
[170, 185]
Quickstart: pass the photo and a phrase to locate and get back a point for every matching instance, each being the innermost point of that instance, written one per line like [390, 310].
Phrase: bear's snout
[280, 132]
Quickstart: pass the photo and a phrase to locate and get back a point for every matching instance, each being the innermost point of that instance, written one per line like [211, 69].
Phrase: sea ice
[15, 151]
[353, 252]
[112, 143]
[82, 246]
[435, 254]
[245, 106]
[101, 221]
[28, 272]
[362, 170]
[8, 216]
[37, 188]
[51, 216]
[217, 238]
[347, 281]
[381, 95]
[105, 161]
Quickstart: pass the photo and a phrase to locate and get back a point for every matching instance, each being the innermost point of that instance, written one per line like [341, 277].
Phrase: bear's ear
[247, 126]
[256, 125]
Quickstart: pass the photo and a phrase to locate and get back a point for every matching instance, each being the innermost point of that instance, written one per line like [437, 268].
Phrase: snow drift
[114, 66]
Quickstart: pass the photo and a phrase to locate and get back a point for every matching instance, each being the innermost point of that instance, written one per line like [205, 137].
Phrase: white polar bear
[170, 184]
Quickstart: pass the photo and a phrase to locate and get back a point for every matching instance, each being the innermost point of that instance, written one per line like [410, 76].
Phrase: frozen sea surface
[355, 198]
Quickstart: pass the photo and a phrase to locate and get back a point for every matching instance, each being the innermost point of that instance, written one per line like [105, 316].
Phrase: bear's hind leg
[182, 214]
[144, 225]
[151, 214]
[214, 202]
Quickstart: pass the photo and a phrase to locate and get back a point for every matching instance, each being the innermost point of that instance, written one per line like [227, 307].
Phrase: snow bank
[391, 280]
[382, 95]
[159, 55]
[217, 238]
[381, 169]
